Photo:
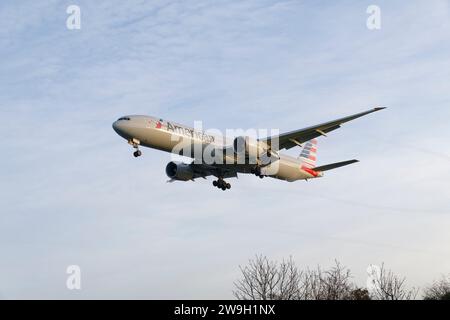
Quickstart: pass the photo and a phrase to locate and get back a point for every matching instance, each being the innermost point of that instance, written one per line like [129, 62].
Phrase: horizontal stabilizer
[334, 165]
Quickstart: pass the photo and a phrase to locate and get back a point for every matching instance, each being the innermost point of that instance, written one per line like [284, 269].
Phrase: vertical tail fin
[309, 154]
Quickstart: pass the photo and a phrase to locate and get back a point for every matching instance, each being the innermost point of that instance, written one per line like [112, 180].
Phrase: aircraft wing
[223, 170]
[297, 137]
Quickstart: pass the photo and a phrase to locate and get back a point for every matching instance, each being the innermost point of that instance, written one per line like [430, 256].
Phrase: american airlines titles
[189, 132]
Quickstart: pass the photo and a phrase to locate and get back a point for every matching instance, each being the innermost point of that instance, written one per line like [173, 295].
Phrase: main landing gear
[257, 172]
[221, 184]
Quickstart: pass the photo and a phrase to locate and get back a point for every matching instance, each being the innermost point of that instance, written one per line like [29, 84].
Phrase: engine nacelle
[179, 171]
[249, 147]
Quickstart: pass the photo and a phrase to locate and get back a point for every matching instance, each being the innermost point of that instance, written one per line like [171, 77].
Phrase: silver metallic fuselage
[166, 136]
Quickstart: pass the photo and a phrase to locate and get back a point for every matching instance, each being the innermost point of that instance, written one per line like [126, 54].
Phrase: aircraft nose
[122, 128]
[115, 126]
[118, 127]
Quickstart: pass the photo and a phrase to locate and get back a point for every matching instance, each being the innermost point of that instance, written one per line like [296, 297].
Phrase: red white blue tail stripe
[309, 154]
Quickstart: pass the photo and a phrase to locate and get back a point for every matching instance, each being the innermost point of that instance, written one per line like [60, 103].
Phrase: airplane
[244, 154]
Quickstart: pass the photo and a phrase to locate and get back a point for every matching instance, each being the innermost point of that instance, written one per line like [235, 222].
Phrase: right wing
[297, 137]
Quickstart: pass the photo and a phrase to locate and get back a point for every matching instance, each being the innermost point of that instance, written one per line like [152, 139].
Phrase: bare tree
[263, 279]
[439, 290]
[359, 294]
[266, 280]
[389, 286]
[332, 284]
[289, 280]
[336, 283]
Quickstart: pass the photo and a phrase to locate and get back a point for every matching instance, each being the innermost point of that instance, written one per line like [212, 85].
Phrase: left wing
[297, 137]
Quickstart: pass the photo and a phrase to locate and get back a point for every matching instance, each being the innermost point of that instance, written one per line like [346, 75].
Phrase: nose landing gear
[137, 153]
[221, 184]
[135, 144]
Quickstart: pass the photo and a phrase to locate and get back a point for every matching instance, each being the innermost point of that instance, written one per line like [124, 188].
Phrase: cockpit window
[124, 118]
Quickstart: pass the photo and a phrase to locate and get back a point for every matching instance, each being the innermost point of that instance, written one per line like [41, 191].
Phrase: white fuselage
[166, 136]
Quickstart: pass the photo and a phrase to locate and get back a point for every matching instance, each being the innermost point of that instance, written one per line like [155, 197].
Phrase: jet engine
[179, 171]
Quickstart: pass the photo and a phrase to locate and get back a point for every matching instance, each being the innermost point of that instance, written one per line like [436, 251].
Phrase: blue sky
[71, 193]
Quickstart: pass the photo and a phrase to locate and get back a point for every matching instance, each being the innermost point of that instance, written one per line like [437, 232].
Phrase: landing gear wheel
[137, 153]
[261, 177]
[221, 184]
